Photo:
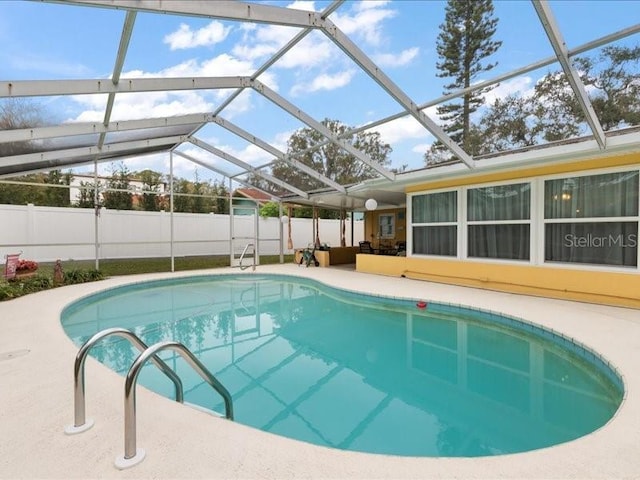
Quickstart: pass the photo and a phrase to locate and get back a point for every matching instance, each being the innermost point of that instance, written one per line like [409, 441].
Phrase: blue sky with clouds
[57, 41]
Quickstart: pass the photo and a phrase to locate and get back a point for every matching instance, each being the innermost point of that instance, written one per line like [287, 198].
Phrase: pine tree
[464, 43]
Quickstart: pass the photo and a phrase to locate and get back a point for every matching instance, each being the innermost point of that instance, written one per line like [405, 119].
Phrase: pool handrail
[133, 455]
[243, 254]
[80, 423]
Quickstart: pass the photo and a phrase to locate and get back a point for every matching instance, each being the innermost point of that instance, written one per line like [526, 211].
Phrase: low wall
[343, 255]
[622, 289]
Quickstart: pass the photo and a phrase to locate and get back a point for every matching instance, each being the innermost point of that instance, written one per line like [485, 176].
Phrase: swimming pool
[360, 373]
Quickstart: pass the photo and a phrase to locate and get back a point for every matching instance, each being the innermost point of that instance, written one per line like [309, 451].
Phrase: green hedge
[18, 287]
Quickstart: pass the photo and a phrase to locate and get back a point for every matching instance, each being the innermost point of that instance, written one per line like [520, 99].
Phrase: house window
[434, 218]
[499, 222]
[386, 225]
[592, 219]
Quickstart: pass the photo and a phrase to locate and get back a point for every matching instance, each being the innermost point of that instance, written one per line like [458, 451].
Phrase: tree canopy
[551, 111]
[331, 160]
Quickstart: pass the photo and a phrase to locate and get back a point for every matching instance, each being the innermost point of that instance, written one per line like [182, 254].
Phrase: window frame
[391, 224]
[529, 221]
[567, 220]
[536, 221]
[456, 223]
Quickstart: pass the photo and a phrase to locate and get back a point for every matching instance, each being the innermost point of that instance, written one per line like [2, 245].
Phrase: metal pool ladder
[133, 455]
[243, 254]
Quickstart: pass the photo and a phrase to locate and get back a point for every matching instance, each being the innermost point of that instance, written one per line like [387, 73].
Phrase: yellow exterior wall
[610, 288]
[605, 287]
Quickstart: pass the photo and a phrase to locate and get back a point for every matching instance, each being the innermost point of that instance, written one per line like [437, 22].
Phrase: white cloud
[520, 85]
[254, 155]
[254, 52]
[184, 37]
[263, 41]
[314, 50]
[370, 4]
[396, 60]
[324, 81]
[281, 140]
[305, 5]
[366, 21]
[401, 129]
[421, 148]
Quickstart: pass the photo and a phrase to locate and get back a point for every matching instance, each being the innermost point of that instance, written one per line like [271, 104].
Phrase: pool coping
[181, 442]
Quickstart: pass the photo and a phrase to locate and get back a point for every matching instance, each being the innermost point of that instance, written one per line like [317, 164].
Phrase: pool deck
[36, 402]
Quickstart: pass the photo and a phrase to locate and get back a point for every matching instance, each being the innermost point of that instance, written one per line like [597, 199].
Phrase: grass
[131, 266]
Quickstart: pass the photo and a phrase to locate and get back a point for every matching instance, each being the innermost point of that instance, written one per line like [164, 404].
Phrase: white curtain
[499, 203]
[432, 209]
[602, 241]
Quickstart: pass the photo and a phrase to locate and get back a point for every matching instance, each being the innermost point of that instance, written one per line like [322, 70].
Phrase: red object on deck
[421, 304]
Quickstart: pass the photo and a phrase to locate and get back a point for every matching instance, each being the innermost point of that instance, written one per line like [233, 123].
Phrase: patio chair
[365, 247]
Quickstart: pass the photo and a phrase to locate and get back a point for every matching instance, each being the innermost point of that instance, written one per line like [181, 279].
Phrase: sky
[56, 41]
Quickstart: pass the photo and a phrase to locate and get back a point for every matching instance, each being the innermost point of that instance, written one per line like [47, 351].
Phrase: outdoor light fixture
[371, 204]
[284, 218]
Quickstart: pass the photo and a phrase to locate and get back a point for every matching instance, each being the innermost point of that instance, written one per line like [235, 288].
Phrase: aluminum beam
[88, 128]
[15, 160]
[560, 48]
[50, 165]
[359, 57]
[225, 10]
[226, 124]
[302, 116]
[125, 37]
[203, 163]
[221, 172]
[248, 168]
[34, 88]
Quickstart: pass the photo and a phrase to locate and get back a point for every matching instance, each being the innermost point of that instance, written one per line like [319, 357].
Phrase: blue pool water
[357, 372]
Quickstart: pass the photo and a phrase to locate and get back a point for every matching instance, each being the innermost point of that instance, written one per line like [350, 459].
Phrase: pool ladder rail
[244, 252]
[133, 455]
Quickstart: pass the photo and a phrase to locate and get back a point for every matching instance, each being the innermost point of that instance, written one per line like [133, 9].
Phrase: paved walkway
[36, 360]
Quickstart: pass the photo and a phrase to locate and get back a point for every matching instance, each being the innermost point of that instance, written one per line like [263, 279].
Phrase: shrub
[8, 291]
[22, 286]
[81, 276]
[36, 283]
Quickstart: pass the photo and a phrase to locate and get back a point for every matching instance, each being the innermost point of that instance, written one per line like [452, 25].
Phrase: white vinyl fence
[46, 234]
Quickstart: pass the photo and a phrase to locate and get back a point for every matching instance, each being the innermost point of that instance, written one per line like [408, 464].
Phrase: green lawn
[132, 266]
